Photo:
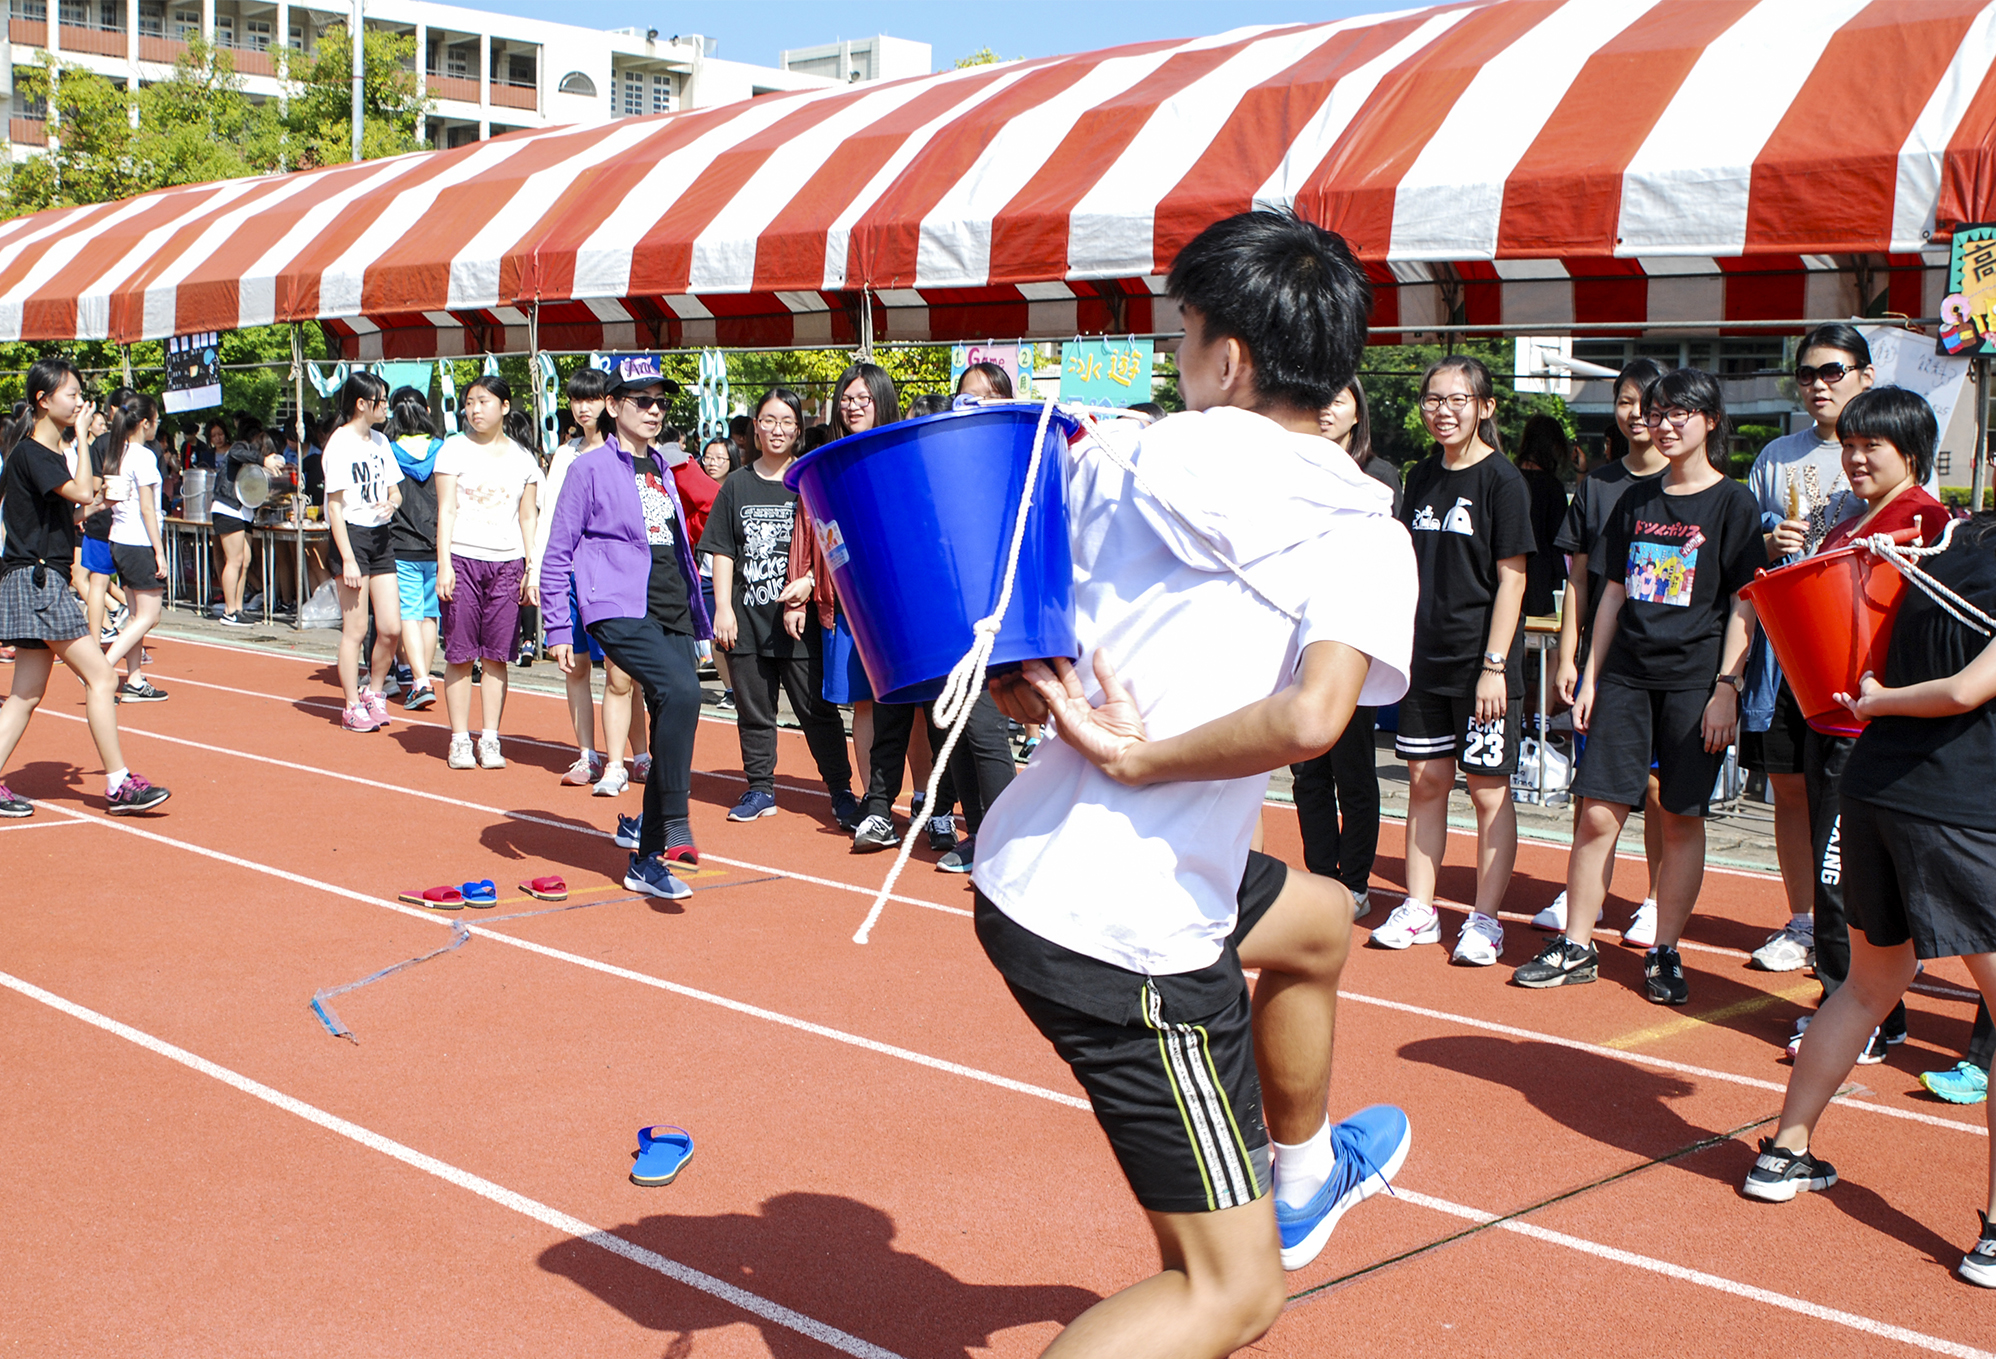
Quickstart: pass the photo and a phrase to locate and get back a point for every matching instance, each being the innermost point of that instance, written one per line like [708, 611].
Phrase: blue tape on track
[458, 935]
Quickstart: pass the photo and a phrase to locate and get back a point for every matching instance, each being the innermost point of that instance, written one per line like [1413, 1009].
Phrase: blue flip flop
[663, 1152]
[481, 893]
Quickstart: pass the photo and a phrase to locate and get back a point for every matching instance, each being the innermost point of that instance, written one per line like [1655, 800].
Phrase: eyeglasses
[1830, 373]
[646, 403]
[1456, 401]
[856, 399]
[1676, 415]
[775, 426]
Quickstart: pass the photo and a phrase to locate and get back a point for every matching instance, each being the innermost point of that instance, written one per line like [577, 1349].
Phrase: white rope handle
[1907, 560]
[966, 678]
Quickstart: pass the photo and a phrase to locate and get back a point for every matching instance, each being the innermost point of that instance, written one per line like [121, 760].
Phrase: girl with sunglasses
[1663, 679]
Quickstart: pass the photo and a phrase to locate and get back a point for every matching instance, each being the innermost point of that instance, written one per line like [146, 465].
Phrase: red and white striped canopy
[1524, 163]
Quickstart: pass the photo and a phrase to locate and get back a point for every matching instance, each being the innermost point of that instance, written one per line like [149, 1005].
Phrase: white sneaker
[1553, 917]
[582, 773]
[1641, 932]
[1412, 922]
[460, 752]
[1360, 904]
[1481, 940]
[1795, 1043]
[1788, 948]
[614, 780]
[488, 753]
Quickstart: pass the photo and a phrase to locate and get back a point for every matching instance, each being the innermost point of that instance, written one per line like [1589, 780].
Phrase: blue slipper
[481, 893]
[661, 1158]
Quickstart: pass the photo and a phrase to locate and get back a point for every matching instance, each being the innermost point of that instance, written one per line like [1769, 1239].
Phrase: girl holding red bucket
[1670, 641]
[1918, 834]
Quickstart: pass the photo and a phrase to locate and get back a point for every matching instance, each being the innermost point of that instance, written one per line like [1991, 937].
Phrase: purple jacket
[598, 540]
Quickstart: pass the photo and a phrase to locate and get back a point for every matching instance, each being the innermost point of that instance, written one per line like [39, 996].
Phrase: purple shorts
[481, 619]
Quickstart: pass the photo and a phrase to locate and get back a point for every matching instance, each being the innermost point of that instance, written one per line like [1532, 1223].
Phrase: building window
[661, 94]
[575, 82]
[75, 13]
[152, 20]
[225, 30]
[457, 63]
[297, 37]
[31, 11]
[520, 70]
[256, 34]
[634, 94]
[186, 25]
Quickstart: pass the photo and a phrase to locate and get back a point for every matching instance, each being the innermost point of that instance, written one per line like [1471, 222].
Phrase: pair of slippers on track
[482, 894]
[663, 1151]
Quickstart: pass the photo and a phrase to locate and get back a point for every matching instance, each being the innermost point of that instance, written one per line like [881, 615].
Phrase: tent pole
[297, 509]
[1980, 479]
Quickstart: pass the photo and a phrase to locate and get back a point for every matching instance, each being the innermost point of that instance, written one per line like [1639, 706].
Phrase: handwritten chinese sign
[1968, 315]
[1105, 372]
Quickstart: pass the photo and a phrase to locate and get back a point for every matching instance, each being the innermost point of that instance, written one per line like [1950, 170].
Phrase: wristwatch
[1494, 659]
[1738, 683]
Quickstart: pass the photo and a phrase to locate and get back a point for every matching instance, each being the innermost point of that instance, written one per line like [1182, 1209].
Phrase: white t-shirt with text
[491, 478]
[1147, 879]
[140, 474]
[366, 471]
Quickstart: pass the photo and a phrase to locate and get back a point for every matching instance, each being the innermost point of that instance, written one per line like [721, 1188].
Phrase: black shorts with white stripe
[1167, 1062]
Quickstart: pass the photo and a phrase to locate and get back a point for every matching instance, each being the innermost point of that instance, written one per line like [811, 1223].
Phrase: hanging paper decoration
[547, 392]
[400, 375]
[193, 372]
[327, 387]
[713, 395]
[447, 379]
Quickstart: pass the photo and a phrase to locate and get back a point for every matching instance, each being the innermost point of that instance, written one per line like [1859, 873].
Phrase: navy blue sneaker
[654, 878]
[627, 831]
[754, 804]
[1371, 1145]
[845, 810]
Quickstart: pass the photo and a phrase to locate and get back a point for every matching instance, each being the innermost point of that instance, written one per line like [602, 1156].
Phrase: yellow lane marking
[1684, 1023]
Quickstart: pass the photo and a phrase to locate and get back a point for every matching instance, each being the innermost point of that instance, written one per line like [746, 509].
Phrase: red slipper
[436, 898]
[683, 854]
[546, 889]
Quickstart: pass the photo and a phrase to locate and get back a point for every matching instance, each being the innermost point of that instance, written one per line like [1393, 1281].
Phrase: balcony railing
[511, 96]
[104, 42]
[165, 51]
[28, 32]
[461, 88]
[28, 131]
[249, 61]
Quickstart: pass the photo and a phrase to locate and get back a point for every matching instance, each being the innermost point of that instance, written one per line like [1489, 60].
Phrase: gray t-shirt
[1816, 469]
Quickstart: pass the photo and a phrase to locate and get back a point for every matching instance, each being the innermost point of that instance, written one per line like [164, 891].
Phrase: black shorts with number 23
[1437, 726]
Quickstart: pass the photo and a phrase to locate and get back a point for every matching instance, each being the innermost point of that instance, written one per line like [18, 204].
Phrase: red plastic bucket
[1829, 619]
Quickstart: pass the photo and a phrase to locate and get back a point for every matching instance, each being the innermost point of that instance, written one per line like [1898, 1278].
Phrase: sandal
[436, 898]
[661, 1158]
[481, 893]
[546, 889]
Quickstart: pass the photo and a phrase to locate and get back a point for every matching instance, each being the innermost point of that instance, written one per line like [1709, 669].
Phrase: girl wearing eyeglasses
[1470, 514]
[748, 532]
[1663, 679]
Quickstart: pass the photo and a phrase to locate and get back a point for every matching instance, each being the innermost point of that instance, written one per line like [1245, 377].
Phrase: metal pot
[197, 493]
[255, 484]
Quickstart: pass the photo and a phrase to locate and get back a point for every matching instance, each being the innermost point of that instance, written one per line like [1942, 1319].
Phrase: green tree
[983, 56]
[89, 157]
[199, 125]
[318, 119]
[1392, 378]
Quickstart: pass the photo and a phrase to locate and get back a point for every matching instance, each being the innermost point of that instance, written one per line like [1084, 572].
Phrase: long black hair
[1359, 443]
[409, 413]
[1481, 388]
[126, 418]
[886, 401]
[359, 387]
[1543, 444]
[1000, 380]
[45, 379]
[1695, 390]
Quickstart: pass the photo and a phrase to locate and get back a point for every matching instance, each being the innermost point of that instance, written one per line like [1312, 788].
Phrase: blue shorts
[416, 583]
[845, 679]
[576, 635]
[97, 557]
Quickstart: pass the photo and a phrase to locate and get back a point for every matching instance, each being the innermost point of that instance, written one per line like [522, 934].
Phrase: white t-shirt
[490, 480]
[140, 471]
[1815, 467]
[366, 470]
[549, 494]
[1147, 878]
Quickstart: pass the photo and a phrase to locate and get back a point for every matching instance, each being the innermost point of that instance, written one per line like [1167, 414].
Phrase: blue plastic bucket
[916, 519]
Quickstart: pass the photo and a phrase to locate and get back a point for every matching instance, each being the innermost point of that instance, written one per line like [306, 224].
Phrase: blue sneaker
[627, 831]
[845, 810]
[654, 878]
[754, 803]
[1966, 1083]
[1371, 1145]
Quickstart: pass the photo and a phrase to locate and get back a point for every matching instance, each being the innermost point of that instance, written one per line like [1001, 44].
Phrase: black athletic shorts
[1906, 877]
[1630, 729]
[137, 566]
[371, 551]
[1778, 750]
[1437, 726]
[1167, 1062]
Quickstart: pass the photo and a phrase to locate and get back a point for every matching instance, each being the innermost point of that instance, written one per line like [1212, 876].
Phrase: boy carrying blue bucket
[1116, 891]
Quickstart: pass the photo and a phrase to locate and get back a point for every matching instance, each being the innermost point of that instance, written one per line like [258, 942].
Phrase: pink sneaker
[359, 717]
[376, 703]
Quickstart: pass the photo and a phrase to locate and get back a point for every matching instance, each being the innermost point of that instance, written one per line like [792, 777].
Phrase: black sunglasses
[1830, 373]
[646, 403]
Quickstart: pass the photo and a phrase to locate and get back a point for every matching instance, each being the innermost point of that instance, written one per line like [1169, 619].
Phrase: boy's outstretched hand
[1107, 736]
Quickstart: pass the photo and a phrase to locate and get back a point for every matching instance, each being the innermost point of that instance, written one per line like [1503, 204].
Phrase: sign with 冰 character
[193, 372]
[1105, 372]
[1968, 314]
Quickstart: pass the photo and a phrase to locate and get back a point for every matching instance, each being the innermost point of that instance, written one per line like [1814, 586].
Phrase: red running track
[889, 1160]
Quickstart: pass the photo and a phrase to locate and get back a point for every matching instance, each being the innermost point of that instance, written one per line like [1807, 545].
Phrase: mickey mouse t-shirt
[1463, 523]
[750, 522]
[1681, 558]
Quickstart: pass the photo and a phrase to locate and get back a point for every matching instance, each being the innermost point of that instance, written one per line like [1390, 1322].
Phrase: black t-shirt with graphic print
[1586, 526]
[1681, 558]
[1463, 523]
[750, 522]
[665, 593]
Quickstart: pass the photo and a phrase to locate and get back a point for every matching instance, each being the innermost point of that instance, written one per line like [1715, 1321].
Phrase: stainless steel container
[197, 493]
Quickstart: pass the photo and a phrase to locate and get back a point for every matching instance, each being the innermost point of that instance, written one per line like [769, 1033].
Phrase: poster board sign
[193, 372]
[1900, 358]
[1105, 372]
[1968, 313]
[962, 356]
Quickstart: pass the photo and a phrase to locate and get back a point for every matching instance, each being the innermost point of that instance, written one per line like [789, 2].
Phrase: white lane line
[1747, 873]
[594, 965]
[36, 825]
[549, 822]
[1869, 1326]
[1643, 1059]
[751, 1303]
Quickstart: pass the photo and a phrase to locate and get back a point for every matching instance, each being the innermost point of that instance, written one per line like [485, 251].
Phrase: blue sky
[756, 30]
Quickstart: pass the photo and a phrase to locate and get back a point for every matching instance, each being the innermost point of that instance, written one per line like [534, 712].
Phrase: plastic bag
[322, 610]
